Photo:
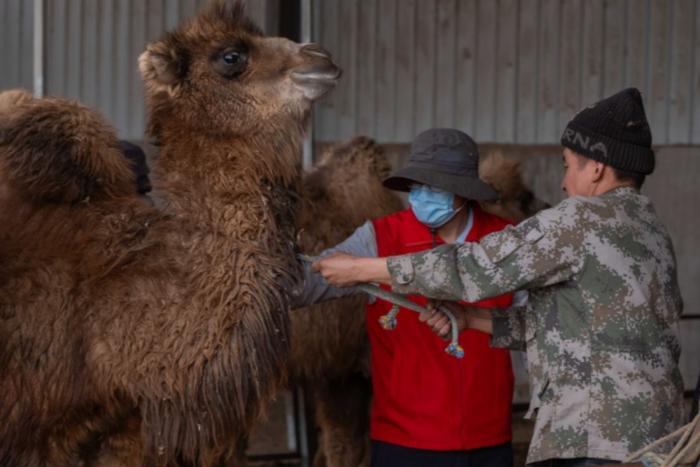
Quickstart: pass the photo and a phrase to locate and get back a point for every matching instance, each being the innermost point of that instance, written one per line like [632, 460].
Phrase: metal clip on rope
[389, 320]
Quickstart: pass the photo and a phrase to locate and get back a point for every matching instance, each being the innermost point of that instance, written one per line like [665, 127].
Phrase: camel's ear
[9, 104]
[163, 65]
[13, 97]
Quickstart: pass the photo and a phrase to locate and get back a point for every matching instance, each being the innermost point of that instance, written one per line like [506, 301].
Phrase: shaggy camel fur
[330, 353]
[118, 317]
[517, 201]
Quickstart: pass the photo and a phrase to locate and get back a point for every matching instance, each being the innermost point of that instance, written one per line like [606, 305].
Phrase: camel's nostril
[315, 50]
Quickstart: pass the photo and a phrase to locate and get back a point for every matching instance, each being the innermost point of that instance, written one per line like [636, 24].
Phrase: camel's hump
[57, 150]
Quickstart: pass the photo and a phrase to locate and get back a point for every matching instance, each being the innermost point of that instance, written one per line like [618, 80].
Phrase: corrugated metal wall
[91, 51]
[507, 71]
[91, 48]
[16, 42]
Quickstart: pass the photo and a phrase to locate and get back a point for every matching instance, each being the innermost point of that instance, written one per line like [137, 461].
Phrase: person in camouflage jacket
[600, 327]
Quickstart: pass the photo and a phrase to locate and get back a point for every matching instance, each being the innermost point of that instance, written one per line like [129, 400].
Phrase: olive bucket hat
[443, 158]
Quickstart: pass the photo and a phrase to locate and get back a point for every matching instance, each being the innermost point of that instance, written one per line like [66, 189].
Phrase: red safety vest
[422, 397]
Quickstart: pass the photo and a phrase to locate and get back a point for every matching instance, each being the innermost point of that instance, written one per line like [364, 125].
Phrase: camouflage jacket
[600, 327]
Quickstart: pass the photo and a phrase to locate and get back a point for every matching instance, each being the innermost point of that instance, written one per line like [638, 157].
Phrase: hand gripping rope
[389, 321]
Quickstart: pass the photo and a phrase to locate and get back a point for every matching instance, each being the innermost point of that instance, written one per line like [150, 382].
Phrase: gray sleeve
[362, 242]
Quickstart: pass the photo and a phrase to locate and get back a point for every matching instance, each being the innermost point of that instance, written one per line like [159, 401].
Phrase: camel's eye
[231, 62]
[232, 58]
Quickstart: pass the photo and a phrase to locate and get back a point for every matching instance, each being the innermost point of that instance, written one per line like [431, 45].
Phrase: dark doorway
[290, 19]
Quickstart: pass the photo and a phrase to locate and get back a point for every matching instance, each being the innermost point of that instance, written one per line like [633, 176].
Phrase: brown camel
[117, 317]
[330, 354]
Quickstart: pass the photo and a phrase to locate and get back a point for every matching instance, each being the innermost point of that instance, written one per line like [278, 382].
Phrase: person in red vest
[430, 408]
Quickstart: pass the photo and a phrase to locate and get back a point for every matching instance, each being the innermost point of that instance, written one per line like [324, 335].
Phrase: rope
[389, 320]
[685, 451]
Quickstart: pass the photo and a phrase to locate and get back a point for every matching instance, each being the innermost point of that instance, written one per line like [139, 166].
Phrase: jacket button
[404, 279]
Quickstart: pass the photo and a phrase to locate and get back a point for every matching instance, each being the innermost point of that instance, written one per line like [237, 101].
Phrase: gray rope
[389, 321]
[685, 451]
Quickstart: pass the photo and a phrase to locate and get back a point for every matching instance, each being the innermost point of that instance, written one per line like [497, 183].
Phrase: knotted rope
[389, 321]
[685, 452]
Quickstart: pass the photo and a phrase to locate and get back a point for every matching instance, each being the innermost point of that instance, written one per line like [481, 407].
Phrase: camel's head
[345, 189]
[361, 156]
[517, 201]
[349, 175]
[219, 74]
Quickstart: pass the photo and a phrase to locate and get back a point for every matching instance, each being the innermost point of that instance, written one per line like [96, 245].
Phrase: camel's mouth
[319, 75]
[315, 83]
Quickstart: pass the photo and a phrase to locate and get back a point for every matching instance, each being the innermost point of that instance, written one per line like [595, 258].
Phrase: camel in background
[330, 353]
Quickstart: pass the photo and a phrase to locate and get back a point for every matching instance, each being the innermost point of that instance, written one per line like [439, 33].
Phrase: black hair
[137, 157]
[626, 175]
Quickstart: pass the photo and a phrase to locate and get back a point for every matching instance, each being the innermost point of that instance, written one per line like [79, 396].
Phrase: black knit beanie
[613, 131]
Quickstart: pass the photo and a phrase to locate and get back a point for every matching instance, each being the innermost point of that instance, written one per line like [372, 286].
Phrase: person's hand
[467, 318]
[343, 270]
[439, 322]
[338, 269]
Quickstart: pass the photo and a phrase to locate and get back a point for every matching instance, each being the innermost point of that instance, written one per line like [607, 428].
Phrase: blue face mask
[432, 206]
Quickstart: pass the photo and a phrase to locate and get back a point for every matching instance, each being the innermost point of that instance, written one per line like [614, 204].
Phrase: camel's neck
[201, 169]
